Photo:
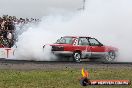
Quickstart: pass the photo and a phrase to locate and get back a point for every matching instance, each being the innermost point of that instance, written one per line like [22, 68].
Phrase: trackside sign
[6, 52]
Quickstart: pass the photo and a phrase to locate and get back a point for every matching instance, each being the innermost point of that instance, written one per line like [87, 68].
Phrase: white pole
[84, 4]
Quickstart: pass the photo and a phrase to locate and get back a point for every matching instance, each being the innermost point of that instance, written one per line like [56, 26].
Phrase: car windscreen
[65, 40]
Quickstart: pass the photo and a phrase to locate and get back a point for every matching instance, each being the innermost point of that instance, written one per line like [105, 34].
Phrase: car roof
[77, 36]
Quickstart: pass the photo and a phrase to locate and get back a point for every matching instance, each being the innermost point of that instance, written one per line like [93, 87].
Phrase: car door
[84, 47]
[96, 48]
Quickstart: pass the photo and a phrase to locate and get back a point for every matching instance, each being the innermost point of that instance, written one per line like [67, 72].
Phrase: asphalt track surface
[56, 65]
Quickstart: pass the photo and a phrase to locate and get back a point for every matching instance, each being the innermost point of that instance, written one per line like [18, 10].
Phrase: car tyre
[110, 56]
[77, 56]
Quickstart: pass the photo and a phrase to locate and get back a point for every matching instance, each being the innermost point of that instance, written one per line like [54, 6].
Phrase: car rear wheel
[110, 56]
[77, 56]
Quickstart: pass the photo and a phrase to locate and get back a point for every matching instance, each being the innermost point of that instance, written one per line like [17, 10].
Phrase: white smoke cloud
[30, 44]
[108, 21]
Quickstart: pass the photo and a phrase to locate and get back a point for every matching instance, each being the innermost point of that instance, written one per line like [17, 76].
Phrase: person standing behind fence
[3, 25]
[1, 42]
[9, 37]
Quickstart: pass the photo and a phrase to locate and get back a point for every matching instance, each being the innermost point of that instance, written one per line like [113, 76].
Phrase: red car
[79, 47]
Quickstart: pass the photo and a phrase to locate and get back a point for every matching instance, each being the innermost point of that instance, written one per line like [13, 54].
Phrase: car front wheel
[110, 56]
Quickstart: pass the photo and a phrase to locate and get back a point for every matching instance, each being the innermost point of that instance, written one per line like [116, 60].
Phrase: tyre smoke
[108, 21]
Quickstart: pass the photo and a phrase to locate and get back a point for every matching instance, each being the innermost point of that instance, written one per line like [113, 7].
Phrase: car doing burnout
[79, 47]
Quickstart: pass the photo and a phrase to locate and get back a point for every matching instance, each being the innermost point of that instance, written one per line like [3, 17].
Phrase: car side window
[93, 42]
[83, 41]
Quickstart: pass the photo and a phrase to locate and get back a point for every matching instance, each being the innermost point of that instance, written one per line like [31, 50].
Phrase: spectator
[3, 24]
[8, 25]
[9, 37]
[1, 42]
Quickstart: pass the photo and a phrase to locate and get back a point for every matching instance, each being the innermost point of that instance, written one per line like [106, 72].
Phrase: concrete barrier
[6, 52]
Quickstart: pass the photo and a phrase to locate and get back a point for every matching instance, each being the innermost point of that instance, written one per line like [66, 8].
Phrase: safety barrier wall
[6, 52]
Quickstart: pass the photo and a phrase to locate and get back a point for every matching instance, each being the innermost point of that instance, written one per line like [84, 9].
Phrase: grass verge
[68, 78]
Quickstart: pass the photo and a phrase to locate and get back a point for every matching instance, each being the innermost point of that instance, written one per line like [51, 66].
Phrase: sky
[38, 8]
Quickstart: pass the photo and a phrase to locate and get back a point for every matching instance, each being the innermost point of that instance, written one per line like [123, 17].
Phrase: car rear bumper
[63, 53]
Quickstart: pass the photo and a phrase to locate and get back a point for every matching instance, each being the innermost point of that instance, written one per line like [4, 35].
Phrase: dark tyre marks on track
[55, 65]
